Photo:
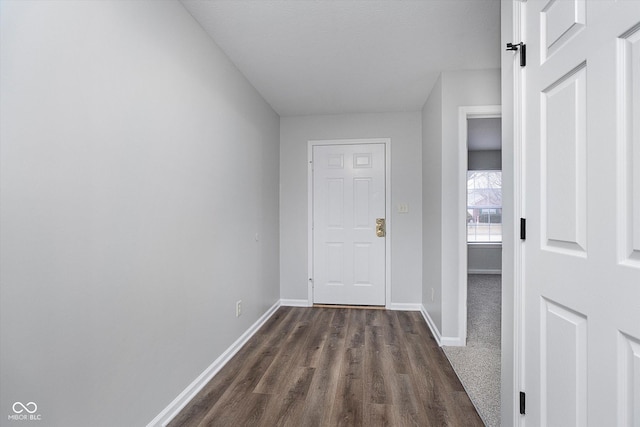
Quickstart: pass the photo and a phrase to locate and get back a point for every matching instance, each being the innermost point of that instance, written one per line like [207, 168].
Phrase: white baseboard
[404, 306]
[431, 325]
[192, 389]
[449, 341]
[295, 303]
[452, 342]
[483, 271]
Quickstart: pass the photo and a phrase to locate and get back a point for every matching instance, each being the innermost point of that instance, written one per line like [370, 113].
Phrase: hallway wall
[458, 88]
[404, 130]
[432, 205]
[137, 166]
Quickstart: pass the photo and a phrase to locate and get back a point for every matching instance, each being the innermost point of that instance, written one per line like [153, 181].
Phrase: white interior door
[582, 203]
[348, 198]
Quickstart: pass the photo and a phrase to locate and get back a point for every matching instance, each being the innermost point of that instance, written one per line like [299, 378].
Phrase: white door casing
[582, 205]
[348, 195]
[464, 114]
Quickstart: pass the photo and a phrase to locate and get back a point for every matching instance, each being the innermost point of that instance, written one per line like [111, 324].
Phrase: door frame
[388, 210]
[465, 113]
[514, 204]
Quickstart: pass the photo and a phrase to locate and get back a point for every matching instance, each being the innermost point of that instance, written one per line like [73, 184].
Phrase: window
[484, 206]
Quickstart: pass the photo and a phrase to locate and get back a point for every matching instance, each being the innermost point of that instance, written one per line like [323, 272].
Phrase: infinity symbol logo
[22, 407]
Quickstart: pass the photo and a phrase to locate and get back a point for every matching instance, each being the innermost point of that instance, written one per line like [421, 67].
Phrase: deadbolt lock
[381, 227]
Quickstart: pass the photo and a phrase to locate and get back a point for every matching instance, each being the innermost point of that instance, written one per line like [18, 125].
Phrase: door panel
[335, 203]
[629, 380]
[581, 263]
[361, 194]
[563, 144]
[348, 195]
[559, 22]
[564, 362]
[629, 149]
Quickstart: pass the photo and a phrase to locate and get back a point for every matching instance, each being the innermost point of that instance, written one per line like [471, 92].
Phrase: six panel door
[582, 202]
[348, 198]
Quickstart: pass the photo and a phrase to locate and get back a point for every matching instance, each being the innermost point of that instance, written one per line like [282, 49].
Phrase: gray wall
[137, 165]
[406, 229]
[459, 88]
[432, 204]
[484, 258]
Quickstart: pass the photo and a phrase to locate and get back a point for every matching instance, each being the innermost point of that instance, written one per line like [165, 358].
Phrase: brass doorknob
[381, 227]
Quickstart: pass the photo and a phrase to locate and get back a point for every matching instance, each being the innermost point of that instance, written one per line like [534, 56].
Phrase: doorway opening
[477, 363]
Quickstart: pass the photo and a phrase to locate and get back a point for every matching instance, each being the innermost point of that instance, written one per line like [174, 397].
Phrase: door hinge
[523, 51]
[523, 229]
[523, 398]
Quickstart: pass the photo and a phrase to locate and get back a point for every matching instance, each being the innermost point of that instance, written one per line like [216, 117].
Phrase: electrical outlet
[238, 308]
[403, 208]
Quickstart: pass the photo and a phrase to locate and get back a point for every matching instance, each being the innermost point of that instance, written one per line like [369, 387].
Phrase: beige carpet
[478, 364]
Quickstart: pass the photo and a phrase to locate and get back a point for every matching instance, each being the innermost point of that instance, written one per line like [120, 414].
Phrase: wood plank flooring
[335, 367]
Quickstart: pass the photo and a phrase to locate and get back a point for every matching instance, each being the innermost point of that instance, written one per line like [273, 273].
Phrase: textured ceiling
[351, 56]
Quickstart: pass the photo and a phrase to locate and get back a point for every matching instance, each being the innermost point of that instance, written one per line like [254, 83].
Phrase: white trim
[388, 210]
[442, 341]
[483, 271]
[400, 306]
[432, 326]
[465, 113]
[295, 303]
[519, 205]
[452, 342]
[309, 223]
[514, 104]
[194, 388]
[484, 245]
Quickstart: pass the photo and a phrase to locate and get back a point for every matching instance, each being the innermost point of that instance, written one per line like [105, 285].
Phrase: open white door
[582, 203]
[348, 246]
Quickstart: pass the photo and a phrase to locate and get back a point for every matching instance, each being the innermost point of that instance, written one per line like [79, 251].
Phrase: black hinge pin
[523, 229]
[523, 51]
[523, 398]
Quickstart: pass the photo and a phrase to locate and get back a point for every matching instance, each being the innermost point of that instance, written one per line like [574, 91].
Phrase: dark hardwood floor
[335, 367]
